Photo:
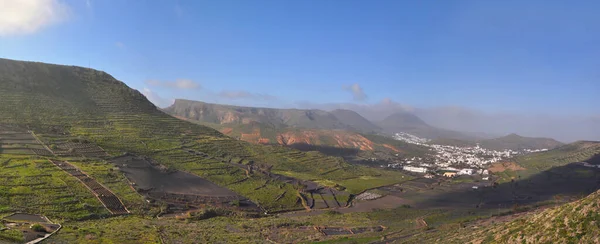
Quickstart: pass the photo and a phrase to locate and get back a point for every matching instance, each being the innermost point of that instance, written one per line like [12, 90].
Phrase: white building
[415, 169]
[465, 172]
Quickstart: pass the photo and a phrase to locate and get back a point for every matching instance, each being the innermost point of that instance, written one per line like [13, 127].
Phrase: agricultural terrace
[33, 185]
[538, 162]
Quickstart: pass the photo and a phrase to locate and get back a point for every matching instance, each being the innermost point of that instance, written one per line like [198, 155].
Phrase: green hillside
[535, 163]
[576, 222]
[89, 104]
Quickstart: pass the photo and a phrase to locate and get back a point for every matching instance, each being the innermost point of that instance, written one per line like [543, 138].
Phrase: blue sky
[498, 56]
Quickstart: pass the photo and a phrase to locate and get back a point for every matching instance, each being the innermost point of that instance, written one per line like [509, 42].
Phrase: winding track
[110, 201]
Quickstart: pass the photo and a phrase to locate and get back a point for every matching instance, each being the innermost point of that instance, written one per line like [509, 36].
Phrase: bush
[206, 213]
[38, 228]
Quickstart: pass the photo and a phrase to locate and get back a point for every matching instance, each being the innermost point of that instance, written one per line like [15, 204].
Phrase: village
[450, 161]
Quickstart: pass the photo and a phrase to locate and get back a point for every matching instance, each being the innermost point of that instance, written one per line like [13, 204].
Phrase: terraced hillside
[534, 163]
[577, 222]
[90, 105]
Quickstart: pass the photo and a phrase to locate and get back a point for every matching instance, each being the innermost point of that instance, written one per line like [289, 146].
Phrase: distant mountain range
[341, 128]
[516, 142]
[410, 123]
[512, 141]
[276, 118]
[295, 128]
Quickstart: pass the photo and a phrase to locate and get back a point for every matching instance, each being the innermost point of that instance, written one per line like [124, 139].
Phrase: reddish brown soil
[264, 141]
[226, 131]
[392, 148]
[253, 137]
[180, 117]
[342, 139]
[504, 166]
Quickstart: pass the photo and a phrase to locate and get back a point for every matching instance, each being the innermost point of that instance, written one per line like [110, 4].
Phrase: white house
[465, 172]
[415, 169]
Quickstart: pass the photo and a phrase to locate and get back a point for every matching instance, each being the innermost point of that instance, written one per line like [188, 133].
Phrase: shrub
[38, 228]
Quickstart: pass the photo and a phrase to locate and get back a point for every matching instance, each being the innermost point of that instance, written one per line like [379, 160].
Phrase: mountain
[277, 118]
[512, 141]
[535, 163]
[354, 120]
[301, 129]
[516, 142]
[66, 103]
[410, 123]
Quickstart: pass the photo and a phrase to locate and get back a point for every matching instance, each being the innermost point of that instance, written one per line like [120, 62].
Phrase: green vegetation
[535, 163]
[575, 222]
[82, 113]
[11, 236]
[91, 105]
[36, 186]
[38, 228]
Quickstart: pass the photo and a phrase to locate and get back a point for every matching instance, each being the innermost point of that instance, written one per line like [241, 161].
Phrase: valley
[106, 165]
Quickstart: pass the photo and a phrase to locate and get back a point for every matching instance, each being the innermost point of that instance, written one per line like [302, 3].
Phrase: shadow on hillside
[594, 160]
[557, 184]
[327, 150]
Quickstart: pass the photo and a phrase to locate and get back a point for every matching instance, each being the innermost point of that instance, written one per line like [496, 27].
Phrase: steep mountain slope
[577, 222]
[410, 123]
[289, 127]
[534, 163]
[56, 100]
[354, 120]
[277, 118]
[516, 142]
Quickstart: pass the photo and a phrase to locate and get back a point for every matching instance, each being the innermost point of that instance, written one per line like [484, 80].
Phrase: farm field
[109, 166]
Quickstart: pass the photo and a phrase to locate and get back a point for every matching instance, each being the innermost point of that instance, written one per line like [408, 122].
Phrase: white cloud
[156, 99]
[19, 17]
[183, 84]
[246, 95]
[357, 92]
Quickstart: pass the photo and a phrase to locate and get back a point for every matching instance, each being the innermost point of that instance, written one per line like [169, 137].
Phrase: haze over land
[299, 121]
[488, 67]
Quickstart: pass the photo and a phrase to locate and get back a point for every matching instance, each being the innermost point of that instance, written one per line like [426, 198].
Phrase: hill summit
[517, 142]
[277, 118]
[412, 124]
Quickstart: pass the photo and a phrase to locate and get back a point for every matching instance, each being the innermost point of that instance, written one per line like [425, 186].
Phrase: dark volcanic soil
[152, 178]
[26, 217]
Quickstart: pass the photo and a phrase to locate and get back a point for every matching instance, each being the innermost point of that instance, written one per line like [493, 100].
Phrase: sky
[519, 58]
